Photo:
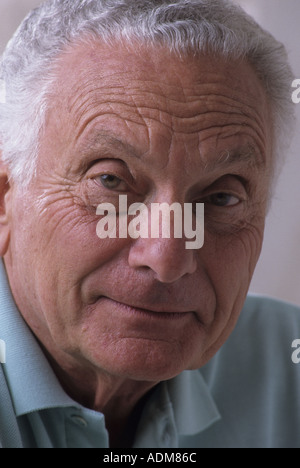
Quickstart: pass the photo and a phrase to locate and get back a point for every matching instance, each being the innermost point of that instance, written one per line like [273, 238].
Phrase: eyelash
[226, 194]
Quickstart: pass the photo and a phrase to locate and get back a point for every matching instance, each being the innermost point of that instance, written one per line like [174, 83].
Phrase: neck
[120, 400]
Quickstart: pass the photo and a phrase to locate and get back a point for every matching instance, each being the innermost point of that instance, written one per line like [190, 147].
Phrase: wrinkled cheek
[236, 257]
[229, 264]
[248, 248]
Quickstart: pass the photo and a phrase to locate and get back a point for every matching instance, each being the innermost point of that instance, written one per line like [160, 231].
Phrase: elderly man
[128, 341]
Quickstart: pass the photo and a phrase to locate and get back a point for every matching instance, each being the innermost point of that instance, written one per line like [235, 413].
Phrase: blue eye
[223, 199]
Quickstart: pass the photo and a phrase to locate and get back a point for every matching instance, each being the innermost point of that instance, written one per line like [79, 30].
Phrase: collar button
[79, 420]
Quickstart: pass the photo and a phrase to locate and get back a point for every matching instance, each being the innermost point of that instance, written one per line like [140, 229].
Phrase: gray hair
[217, 27]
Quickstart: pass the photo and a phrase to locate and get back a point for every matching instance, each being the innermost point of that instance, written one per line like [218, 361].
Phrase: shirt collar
[26, 367]
[193, 405]
[177, 408]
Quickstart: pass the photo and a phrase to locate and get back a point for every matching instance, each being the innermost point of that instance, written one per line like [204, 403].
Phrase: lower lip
[133, 311]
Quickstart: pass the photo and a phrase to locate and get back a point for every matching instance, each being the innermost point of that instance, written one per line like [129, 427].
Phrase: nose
[167, 258]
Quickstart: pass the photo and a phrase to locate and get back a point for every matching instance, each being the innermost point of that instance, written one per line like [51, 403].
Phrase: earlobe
[4, 209]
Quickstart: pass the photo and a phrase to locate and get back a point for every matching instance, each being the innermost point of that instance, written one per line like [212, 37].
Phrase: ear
[5, 206]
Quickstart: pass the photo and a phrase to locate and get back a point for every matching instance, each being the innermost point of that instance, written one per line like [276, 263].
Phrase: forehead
[151, 88]
[155, 69]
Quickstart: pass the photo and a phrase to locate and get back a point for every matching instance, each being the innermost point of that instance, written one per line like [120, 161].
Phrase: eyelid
[239, 200]
[230, 184]
[232, 193]
[114, 167]
[111, 166]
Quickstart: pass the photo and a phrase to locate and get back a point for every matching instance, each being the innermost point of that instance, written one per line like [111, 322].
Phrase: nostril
[168, 259]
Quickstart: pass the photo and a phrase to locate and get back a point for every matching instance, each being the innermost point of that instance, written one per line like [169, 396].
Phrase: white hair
[218, 27]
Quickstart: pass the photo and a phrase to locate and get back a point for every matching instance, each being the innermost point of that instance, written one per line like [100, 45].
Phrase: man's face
[146, 125]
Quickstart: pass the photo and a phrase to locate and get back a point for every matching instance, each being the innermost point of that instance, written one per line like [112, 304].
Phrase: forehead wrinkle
[177, 104]
[154, 88]
[181, 118]
[219, 105]
[84, 109]
[102, 142]
[231, 117]
[89, 83]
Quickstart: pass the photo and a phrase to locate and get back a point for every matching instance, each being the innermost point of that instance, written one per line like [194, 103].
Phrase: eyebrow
[246, 155]
[104, 142]
[100, 145]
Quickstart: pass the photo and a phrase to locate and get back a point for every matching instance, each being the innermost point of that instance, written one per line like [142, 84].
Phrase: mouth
[155, 313]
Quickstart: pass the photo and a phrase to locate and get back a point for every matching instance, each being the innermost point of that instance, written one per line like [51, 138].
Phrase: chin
[147, 361]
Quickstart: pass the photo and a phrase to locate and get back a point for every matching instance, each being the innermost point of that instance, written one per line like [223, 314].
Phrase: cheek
[54, 248]
[229, 262]
[63, 236]
[231, 258]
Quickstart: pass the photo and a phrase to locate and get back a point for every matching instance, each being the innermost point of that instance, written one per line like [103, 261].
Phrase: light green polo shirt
[247, 396]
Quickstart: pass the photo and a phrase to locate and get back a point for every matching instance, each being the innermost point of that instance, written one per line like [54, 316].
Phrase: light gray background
[278, 271]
